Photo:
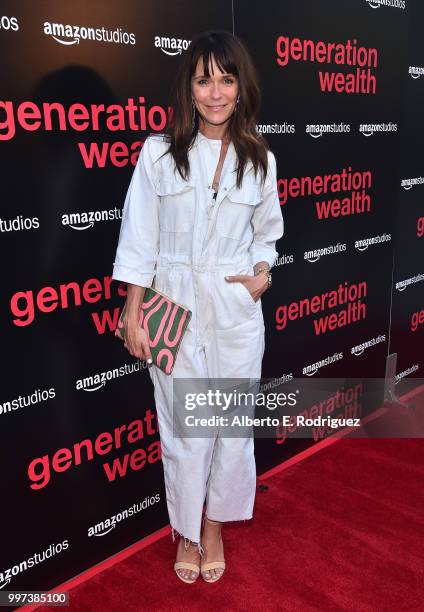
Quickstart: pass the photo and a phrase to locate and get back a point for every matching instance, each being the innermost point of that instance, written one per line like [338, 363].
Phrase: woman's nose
[216, 91]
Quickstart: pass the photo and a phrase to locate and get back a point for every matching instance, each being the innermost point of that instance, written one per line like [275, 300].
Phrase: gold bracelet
[267, 272]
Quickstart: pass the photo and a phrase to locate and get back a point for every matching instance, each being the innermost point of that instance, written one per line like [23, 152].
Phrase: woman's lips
[216, 108]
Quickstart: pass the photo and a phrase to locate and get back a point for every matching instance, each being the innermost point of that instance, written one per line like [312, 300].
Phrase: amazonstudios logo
[375, 4]
[70, 34]
[19, 568]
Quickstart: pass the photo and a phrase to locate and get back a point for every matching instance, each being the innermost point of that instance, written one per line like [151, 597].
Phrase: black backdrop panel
[323, 247]
[69, 380]
[407, 324]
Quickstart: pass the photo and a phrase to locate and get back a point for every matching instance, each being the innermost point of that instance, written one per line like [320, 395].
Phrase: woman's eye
[229, 80]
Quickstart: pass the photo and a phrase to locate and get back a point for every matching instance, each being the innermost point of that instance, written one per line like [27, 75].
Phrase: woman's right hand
[136, 340]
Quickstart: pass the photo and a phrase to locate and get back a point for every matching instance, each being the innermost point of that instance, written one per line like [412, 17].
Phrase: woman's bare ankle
[185, 551]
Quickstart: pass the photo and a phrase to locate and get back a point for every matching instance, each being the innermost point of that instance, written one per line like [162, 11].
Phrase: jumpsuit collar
[212, 141]
[213, 146]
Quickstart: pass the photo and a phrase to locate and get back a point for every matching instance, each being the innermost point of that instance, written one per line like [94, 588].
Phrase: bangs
[222, 56]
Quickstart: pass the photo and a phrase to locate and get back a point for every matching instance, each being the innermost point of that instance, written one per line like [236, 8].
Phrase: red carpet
[341, 530]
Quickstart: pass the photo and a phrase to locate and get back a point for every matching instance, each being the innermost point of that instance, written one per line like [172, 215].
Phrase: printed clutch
[164, 322]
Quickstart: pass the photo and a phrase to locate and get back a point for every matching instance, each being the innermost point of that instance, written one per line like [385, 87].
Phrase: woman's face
[214, 96]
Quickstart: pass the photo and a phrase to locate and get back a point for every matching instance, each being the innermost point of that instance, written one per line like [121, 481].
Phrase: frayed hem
[187, 541]
[230, 521]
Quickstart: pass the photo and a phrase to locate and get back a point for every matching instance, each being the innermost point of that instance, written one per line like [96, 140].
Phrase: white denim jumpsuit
[177, 238]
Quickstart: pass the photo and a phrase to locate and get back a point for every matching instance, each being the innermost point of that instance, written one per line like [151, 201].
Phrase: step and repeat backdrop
[407, 312]
[82, 86]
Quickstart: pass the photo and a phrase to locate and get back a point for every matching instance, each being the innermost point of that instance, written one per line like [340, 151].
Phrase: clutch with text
[164, 322]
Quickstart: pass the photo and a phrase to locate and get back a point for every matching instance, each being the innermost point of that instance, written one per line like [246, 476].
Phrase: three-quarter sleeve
[138, 244]
[267, 220]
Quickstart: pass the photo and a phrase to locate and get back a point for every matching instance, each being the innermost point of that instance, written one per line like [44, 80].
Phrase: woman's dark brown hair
[232, 57]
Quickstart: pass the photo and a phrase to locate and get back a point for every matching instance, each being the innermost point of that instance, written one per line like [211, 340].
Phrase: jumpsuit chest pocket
[177, 205]
[236, 210]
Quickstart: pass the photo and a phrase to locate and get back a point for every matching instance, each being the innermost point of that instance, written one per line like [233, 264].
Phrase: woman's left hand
[256, 285]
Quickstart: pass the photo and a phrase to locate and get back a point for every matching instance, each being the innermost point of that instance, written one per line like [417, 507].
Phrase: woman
[200, 223]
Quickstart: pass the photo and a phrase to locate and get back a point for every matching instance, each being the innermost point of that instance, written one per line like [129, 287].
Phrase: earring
[237, 101]
[193, 114]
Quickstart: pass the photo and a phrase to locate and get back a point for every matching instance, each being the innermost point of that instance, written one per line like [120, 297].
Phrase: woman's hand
[136, 340]
[256, 285]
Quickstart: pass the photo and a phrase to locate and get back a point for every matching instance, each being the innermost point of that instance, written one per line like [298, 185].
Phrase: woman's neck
[220, 133]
